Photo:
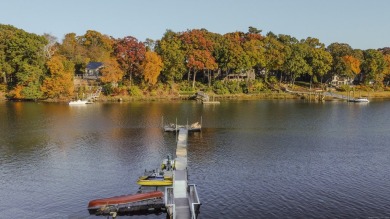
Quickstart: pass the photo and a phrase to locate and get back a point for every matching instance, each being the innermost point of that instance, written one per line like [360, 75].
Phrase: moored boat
[78, 102]
[360, 100]
[155, 181]
[128, 202]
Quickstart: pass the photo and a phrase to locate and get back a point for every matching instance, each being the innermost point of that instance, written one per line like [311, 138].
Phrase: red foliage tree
[130, 53]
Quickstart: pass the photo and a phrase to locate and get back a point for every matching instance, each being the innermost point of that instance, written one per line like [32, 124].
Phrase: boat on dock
[154, 181]
[156, 178]
[140, 203]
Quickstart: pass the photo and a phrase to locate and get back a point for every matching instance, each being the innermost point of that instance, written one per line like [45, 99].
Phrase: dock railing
[194, 200]
[169, 202]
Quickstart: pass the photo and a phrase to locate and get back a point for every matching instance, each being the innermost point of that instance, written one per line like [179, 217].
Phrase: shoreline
[385, 95]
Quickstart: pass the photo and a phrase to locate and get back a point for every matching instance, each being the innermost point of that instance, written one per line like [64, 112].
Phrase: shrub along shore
[188, 95]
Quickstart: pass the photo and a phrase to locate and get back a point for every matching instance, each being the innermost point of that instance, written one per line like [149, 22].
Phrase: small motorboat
[360, 100]
[147, 181]
[78, 102]
[155, 178]
[126, 203]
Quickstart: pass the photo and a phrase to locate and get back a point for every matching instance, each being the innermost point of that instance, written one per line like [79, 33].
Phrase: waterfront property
[92, 71]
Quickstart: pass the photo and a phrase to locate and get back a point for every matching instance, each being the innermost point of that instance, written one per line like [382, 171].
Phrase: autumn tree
[170, 49]
[72, 50]
[98, 46]
[198, 49]
[152, 66]
[59, 83]
[352, 66]
[338, 51]
[130, 54]
[237, 58]
[22, 55]
[220, 50]
[296, 63]
[274, 54]
[318, 58]
[373, 66]
[111, 72]
[254, 48]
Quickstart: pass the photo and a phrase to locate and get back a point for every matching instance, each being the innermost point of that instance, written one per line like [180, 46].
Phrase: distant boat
[359, 100]
[78, 102]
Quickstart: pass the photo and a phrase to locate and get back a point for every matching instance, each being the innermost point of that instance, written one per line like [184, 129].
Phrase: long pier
[182, 199]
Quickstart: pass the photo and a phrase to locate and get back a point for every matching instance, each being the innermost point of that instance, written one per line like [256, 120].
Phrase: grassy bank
[188, 95]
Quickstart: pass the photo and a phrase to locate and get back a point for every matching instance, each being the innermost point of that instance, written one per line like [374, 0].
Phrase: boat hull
[359, 100]
[139, 203]
[78, 102]
[155, 181]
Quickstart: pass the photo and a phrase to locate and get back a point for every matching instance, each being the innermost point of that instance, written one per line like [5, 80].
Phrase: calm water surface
[253, 159]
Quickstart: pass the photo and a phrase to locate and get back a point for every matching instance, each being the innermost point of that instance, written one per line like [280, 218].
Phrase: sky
[363, 24]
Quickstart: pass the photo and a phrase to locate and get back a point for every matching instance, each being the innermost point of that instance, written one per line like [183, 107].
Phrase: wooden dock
[182, 199]
[201, 96]
[320, 95]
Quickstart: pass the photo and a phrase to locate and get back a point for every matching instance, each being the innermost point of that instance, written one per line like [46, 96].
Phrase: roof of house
[94, 65]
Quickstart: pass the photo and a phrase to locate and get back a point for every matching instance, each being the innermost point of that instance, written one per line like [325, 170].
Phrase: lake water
[253, 159]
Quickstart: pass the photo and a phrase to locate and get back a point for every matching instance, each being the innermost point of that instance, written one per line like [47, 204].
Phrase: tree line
[39, 67]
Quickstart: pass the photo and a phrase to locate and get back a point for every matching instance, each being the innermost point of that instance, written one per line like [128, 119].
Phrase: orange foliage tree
[97, 46]
[59, 83]
[352, 65]
[387, 66]
[111, 73]
[198, 49]
[152, 66]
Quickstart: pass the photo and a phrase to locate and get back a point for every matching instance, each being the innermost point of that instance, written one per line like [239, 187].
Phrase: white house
[338, 81]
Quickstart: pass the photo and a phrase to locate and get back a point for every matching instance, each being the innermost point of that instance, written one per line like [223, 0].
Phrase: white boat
[78, 102]
[360, 100]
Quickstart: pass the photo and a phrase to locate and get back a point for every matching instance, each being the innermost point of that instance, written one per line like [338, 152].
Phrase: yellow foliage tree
[352, 65]
[17, 92]
[111, 73]
[152, 66]
[60, 82]
[387, 62]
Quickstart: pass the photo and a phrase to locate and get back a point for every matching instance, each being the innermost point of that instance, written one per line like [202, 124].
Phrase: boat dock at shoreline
[182, 199]
[166, 190]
